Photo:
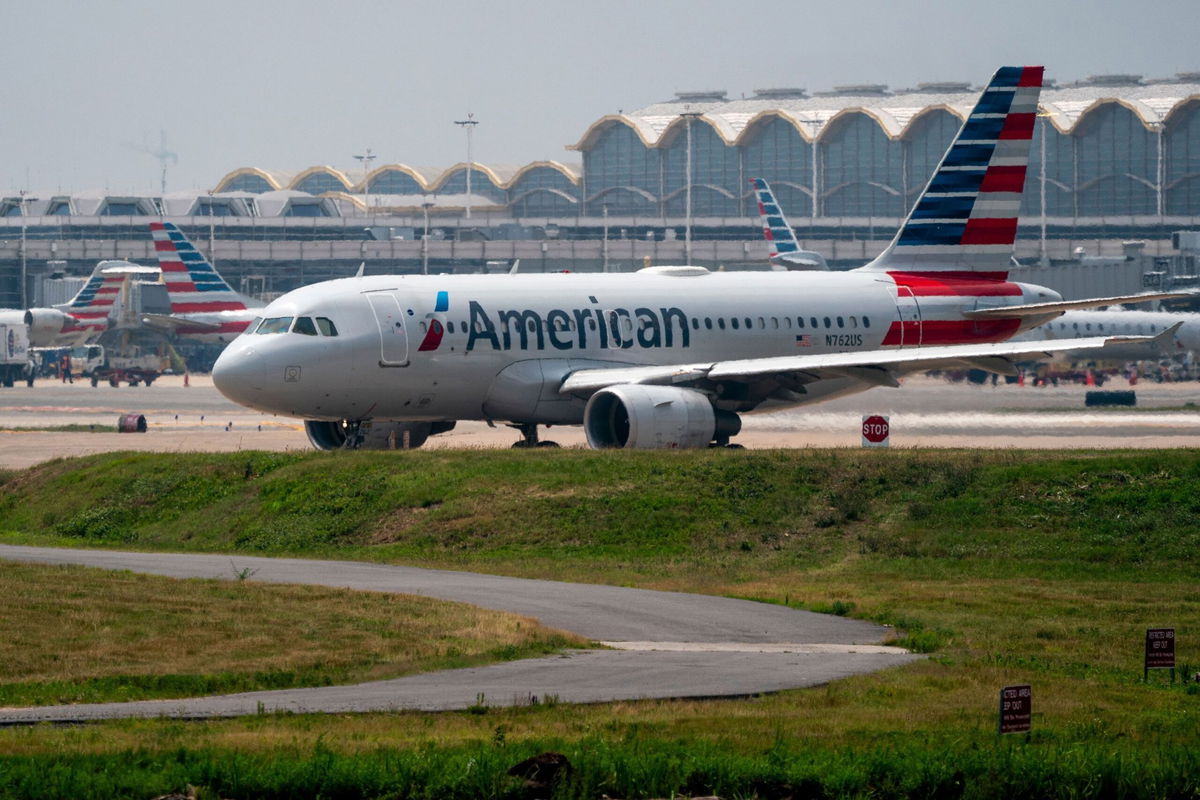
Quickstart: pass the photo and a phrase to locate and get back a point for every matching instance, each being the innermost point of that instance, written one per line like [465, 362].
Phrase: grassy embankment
[1009, 567]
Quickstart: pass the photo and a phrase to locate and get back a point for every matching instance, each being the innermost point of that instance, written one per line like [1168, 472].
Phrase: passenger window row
[736, 323]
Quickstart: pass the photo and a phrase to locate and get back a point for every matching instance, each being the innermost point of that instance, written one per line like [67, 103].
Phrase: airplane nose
[238, 374]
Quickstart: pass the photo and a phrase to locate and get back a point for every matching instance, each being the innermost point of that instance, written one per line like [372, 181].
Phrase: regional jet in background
[1184, 340]
[667, 356]
[91, 312]
[203, 306]
[785, 248]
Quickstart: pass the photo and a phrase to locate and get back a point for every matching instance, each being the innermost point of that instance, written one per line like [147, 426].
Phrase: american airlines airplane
[668, 356]
[88, 314]
[203, 306]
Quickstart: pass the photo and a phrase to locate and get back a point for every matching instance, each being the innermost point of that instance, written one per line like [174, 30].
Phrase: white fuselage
[498, 347]
[1080, 324]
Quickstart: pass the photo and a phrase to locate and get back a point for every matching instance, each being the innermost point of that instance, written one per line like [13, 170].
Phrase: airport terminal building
[1114, 157]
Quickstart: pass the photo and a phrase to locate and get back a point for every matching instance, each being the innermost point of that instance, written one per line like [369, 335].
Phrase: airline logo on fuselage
[577, 329]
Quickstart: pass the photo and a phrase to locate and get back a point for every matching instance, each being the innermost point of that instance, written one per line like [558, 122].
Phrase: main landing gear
[529, 431]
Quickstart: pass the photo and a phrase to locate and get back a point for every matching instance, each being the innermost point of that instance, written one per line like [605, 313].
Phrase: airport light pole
[688, 116]
[1160, 176]
[24, 268]
[468, 125]
[813, 142]
[425, 206]
[604, 210]
[365, 161]
[212, 230]
[1044, 259]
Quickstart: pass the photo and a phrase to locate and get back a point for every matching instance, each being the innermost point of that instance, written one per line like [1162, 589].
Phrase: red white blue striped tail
[193, 284]
[776, 230]
[98, 297]
[966, 219]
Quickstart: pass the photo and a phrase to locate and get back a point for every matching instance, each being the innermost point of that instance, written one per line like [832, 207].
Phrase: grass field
[1007, 567]
[72, 634]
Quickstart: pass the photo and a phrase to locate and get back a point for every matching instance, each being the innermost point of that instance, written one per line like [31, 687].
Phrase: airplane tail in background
[785, 248]
[96, 301]
[966, 219]
[193, 284]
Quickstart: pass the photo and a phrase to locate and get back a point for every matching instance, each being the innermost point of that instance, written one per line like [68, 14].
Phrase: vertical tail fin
[966, 219]
[776, 230]
[98, 296]
[785, 248]
[193, 284]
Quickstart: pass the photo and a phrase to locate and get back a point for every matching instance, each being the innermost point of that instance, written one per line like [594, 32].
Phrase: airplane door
[909, 311]
[393, 338]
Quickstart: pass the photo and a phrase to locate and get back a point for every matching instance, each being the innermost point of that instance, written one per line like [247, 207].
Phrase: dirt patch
[393, 526]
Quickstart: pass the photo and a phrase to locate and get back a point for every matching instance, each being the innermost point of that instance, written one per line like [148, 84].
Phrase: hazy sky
[88, 86]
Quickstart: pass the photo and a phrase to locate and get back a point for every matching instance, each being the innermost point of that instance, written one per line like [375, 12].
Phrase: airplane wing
[876, 367]
[170, 323]
[1038, 309]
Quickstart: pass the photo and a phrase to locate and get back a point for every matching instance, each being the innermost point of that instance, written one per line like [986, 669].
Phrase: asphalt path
[665, 644]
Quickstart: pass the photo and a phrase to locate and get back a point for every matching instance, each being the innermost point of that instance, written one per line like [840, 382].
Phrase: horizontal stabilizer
[170, 323]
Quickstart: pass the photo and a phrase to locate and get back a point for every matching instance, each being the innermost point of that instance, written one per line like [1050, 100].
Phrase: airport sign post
[876, 430]
[1160, 651]
[1016, 709]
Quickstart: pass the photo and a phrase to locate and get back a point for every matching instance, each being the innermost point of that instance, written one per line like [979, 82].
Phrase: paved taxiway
[925, 412]
[666, 644]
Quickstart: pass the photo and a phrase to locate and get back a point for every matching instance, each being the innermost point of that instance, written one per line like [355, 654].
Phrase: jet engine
[655, 417]
[371, 434]
[44, 325]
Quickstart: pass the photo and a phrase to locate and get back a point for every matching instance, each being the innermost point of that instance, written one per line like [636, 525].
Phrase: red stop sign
[875, 429]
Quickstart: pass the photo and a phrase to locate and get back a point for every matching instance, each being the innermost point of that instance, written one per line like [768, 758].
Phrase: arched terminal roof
[252, 179]
[424, 179]
[737, 121]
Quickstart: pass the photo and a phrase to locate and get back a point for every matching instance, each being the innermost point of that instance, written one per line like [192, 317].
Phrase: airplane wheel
[113, 382]
[95, 381]
[547, 444]
[521, 445]
[735, 447]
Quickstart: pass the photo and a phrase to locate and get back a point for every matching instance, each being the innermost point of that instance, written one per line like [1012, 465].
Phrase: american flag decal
[803, 340]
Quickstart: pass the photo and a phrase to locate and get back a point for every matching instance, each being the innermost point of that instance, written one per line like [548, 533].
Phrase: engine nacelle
[370, 434]
[45, 324]
[655, 417]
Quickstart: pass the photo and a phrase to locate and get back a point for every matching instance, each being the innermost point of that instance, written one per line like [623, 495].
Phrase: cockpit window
[275, 325]
[253, 326]
[326, 326]
[305, 325]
